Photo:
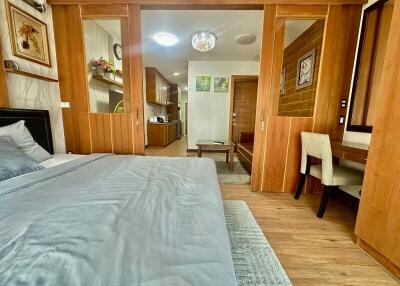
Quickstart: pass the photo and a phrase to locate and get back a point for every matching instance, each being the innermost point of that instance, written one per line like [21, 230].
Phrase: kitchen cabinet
[157, 87]
[161, 134]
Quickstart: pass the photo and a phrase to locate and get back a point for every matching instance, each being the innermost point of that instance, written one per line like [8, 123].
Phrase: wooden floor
[175, 149]
[313, 251]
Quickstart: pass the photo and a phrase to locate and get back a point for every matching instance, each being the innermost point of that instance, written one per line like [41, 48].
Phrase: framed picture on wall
[305, 70]
[28, 36]
[282, 80]
[203, 83]
[221, 84]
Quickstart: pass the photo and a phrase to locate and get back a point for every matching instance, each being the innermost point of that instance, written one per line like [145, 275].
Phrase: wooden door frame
[234, 79]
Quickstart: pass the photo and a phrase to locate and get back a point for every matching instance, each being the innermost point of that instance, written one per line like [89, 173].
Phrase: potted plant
[103, 67]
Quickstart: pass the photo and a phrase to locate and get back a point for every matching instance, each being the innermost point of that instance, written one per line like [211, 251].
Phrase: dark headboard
[37, 122]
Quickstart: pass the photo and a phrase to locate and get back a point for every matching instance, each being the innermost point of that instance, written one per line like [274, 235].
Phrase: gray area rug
[239, 175]
[254, 260]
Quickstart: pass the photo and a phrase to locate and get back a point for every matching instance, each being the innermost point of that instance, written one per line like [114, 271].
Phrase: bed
[105, 219]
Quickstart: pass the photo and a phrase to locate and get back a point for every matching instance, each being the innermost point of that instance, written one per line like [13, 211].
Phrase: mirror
[300, 66]
[103, 53]
[370, 57]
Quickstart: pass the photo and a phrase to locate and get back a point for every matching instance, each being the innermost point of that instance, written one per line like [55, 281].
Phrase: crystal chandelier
[203, 41]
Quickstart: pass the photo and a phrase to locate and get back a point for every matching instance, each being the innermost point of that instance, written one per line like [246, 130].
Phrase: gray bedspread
[115, 220]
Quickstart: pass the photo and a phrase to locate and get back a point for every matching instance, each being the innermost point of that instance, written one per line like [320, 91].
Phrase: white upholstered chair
[319, 146]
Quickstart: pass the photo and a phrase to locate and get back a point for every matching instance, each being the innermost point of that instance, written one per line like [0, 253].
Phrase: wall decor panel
[276, 149]
[122, 133]
[27, 92]
[293, 160]
[100, 130]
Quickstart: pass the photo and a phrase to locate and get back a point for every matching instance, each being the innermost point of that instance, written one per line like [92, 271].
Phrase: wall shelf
[108, 80]
[28, 74]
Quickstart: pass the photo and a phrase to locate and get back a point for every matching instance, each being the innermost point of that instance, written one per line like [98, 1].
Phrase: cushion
[13, 161]
[24, 140]
[342, 175]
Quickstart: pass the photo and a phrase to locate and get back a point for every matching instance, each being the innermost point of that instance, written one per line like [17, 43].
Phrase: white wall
[350, 136]
[182, 103]
[208, 112]
[27, 92]
[99, 43]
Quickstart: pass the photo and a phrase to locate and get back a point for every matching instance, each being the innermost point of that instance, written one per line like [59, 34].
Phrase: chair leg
[300, 186]
[324, 200]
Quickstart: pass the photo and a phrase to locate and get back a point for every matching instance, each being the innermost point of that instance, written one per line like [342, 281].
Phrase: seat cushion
[342, 175]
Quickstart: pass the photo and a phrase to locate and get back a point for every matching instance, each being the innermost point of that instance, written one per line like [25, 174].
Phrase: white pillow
[23, 139]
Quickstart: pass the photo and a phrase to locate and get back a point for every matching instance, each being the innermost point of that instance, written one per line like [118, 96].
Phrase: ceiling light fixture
[203, 41]
[186, 88]
[165, 39]
[176, 73]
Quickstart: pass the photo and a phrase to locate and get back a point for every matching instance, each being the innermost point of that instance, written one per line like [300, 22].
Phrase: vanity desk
[355, 152]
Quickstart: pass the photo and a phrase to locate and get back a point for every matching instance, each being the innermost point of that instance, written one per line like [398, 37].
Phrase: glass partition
[103, 52]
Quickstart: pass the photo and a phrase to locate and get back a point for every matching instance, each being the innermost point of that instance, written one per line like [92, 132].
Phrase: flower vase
[99, 71]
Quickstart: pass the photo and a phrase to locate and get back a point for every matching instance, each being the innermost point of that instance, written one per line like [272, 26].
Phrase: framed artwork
[221, 84]
[305, 70]
[282, 80]
[28, 36]
[203, 83]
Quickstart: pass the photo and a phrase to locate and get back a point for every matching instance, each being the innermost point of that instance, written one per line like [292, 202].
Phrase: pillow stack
[19, 152]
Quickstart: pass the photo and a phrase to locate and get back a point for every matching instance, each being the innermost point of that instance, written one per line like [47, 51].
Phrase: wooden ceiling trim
[104, 11]
[238, 3]
[301, 12]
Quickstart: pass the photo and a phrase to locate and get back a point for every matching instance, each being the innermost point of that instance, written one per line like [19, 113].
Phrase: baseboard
[390, 266]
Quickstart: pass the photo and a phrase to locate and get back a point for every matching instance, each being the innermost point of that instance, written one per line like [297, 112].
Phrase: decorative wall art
[282, 81]
[221, 84]
[305, 70]
[28, 36]
[203, 83]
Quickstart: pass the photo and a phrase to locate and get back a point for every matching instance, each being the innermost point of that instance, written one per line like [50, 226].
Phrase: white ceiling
[294, 28]
[111, 26]
[226, 25]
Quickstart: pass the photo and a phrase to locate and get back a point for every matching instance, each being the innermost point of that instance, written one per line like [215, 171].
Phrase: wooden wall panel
[275, 153]
[378, 223]
[3, 83]
[136, 70]
[72, 73]
[293, 160]
[100, 131]
[122, 133]
[339, 47]
[263, 95]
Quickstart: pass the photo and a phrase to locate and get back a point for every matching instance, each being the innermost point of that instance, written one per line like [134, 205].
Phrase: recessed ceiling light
[245, 39]
[165, 39]
[176, 73]
[186, 88]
